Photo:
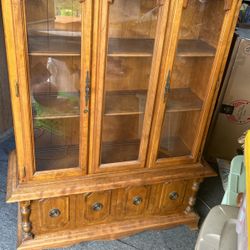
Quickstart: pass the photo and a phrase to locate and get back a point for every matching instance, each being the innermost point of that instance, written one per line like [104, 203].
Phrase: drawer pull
[55, 212]
[137, 200]
[97, 206]
[173, 196]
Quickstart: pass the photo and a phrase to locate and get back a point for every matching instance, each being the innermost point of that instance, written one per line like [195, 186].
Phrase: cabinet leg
[25, 220]
[192, 199]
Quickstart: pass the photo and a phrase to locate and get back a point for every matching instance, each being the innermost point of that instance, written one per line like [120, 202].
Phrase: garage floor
[178, 238]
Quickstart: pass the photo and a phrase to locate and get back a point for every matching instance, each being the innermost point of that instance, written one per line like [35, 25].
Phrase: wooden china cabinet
[111, 102]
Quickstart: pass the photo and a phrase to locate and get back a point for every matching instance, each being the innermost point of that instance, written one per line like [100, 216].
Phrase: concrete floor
[178, 238]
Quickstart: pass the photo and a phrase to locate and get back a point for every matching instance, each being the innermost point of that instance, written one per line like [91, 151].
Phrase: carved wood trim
[192, 198]
[25, 220]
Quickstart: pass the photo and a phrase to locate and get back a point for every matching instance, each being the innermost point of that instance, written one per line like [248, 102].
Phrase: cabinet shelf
[133, 102]
[128, 150]
[57, 157]
[55, 106]
[54, 46]
[125, 102]
[195, 48]
[53, 116]
[120, 151]
[118, 47]
[171, 147]
[183, 99]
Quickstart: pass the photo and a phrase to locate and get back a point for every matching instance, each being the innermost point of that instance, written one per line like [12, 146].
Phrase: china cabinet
[111, 103]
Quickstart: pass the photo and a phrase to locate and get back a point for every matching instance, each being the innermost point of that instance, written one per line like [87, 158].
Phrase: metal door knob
[173, 196]
[97, 206]
[137, 200]
[55, 212]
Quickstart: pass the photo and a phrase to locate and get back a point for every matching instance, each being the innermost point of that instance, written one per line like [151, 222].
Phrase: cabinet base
[108, 231]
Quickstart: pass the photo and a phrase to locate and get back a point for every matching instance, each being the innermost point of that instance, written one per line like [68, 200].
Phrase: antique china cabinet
[111, 102]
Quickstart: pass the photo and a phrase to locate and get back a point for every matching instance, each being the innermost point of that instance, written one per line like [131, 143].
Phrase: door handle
[167, 86]
[87, 92]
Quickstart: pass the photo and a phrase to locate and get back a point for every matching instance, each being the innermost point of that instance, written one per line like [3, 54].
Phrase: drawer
[49, 215]
[92, 208]
[135, 200]
[76, 211]
[174, 196]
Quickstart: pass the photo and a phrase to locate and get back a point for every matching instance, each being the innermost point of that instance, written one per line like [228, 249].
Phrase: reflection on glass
[54, 26]
[54, 31]
[195, 55]
[132, 27]
[55, 86]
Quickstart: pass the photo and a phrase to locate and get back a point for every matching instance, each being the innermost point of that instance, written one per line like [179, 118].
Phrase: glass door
[56, 68]
[131, 34]
[186, 96]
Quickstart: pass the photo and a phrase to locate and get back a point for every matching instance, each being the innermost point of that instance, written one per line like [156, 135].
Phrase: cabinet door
[129, 39]
[53, 37]
[189, 80]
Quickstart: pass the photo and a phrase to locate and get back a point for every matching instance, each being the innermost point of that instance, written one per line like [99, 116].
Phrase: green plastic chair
[236, 181]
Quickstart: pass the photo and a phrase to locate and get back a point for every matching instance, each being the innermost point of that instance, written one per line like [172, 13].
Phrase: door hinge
[17, 88]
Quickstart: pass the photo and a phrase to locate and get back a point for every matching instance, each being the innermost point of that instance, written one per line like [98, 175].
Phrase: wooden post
[192, 199]
[25, 223]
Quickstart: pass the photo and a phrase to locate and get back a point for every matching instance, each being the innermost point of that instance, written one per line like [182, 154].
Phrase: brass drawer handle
[55, 212]
[137, 200]
[173, 196]
[97, 206]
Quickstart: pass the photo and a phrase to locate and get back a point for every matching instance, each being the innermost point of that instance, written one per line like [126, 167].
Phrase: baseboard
[108, 231]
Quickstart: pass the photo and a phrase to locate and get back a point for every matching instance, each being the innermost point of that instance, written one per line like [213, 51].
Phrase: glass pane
[54, 35]
[132, 28]
[54, 26]
[198, 40]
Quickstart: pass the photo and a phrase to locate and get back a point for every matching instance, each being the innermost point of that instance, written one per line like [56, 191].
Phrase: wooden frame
[135, 195]
[17, 191]
[27, 170]
[214, 82]
[101, 28]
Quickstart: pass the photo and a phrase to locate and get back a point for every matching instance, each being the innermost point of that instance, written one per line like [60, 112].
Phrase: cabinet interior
[54, 34]
[200, 28]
